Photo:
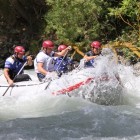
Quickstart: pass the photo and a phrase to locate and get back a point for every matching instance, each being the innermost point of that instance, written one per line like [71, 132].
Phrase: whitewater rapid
[44, 116]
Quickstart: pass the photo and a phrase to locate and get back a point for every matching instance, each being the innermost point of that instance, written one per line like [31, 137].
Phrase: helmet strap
[45, 50]
[16, 55]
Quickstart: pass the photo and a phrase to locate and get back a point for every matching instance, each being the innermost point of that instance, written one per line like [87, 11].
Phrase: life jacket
[47, 60]
[91, 62]
[14, 65]
[61, 65]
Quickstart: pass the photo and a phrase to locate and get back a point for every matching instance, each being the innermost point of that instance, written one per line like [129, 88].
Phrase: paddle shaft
[61, 61]
[56, 70]
[48, 84]
[15, 77]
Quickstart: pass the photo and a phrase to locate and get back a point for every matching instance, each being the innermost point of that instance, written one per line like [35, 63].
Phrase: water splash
[100, 90]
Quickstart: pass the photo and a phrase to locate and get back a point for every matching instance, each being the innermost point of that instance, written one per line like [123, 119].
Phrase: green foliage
[21, 21]
[129, 12]
[75, 20]
[5, 10]
[129, 55]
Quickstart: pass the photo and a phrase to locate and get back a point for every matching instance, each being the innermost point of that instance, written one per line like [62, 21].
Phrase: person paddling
[92, 54]
[62, 63]
[44, 61]
[14, 63]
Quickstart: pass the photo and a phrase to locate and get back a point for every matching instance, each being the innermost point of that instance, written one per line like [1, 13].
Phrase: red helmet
[95, 44]
[19, 49]
[62, 47]
[47, 44]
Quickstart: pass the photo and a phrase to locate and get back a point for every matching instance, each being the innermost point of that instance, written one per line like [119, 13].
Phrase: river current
[45, 117]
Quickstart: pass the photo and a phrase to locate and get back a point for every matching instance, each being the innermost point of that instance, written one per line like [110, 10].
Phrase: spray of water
[111, 84]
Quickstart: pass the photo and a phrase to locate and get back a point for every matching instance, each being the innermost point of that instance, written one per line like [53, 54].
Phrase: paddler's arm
[63, 52]
[6, 74]
[41, 69]
[88, 58]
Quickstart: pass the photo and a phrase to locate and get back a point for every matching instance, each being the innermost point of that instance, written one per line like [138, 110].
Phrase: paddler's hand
[69, 48]
[11, 82]
[51, 75]
[29, 60]
[85, 60]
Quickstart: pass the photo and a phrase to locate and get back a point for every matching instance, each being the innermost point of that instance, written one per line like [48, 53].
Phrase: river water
[44, 117]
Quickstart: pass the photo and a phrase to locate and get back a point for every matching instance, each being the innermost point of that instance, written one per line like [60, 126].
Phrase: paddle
[49, 81]
[61, 62]
[15, 77]
[78, 51]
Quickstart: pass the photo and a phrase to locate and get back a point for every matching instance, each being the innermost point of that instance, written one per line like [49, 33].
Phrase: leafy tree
[21, 21]
[129, 12]
[77, 20]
